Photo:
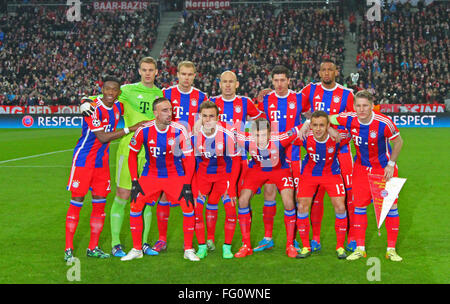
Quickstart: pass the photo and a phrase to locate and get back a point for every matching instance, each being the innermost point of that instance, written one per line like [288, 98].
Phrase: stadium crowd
[250, 41]
[45, 59]
[404, 58]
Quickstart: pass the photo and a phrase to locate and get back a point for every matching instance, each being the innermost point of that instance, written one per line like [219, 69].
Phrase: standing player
[234, 110]
[268, 165]
[137, 99]
[332, 98]
[371, 133]
[216, 175]
[90, 166]
[320, 168]
[169, 168]
[186, 101]
[283, 108]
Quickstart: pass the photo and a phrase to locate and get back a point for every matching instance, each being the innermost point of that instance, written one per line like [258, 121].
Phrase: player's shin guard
[230, 221]
[392, 224]
[147, 215]
[188, 229]
[350, 215]
[72, 218]
[162, 217]
[97, 220]
[245, 223]
[136, 225]
[211, 220]
[116, 218]
[340, 226]
[269, 212]
[317, 213]
[303, 228]
[199, 222]
[289, 223]
[360, 226]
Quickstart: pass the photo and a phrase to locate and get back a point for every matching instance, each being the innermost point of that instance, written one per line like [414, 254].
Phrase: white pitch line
[33, 156]
[38, 155]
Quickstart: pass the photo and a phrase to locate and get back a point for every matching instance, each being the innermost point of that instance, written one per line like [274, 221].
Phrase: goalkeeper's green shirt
[137, 101]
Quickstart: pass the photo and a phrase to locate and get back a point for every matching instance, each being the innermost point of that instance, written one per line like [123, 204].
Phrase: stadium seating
[251, 41]
[45, 59]
[404, 58]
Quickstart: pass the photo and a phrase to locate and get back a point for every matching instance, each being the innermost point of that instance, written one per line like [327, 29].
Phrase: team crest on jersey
[238, 109]
[133, 141]
[292, 105]
[373, 134]
[336, 99]
[220, 146]
[75, 184]
[96, 123]
[194, 102]
[330, 149]
[170, 141]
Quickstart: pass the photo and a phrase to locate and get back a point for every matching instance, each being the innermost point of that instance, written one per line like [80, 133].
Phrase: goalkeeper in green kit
[137, 99]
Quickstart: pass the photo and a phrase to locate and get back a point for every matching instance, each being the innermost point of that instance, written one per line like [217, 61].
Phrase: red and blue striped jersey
[273, 156]
[185, 106]
[164, 149]
[234, 112]
[284, 112]
[372, 139]
[331, 101]
[89, 152]
[321, 156]
[214, 153]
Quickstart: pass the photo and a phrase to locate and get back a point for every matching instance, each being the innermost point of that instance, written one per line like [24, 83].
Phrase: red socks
[317, 213]
[269, 211]
[392, 223]
[211, 220]
[199, 222]
[162, 216]
[360, 226]
[97, 220]
[340, 226]
[230, 221]
[303, 228]
[72, 218]
[136, 226]
[244, 223]
[188, 229]
[289, 222]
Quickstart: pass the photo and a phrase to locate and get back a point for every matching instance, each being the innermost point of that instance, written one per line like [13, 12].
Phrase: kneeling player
[90, 166]
[169, 168]
[268, 165]
[320, 168]
[216, 177]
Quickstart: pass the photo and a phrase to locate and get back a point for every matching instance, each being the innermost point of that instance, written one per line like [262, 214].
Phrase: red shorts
[153, 187]
[255, 178]
[208, 184]
[82, 179]
[346, 165]
[362, 196]
[332, 184]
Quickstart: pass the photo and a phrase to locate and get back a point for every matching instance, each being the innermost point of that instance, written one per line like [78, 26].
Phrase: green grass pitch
[34, 203]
